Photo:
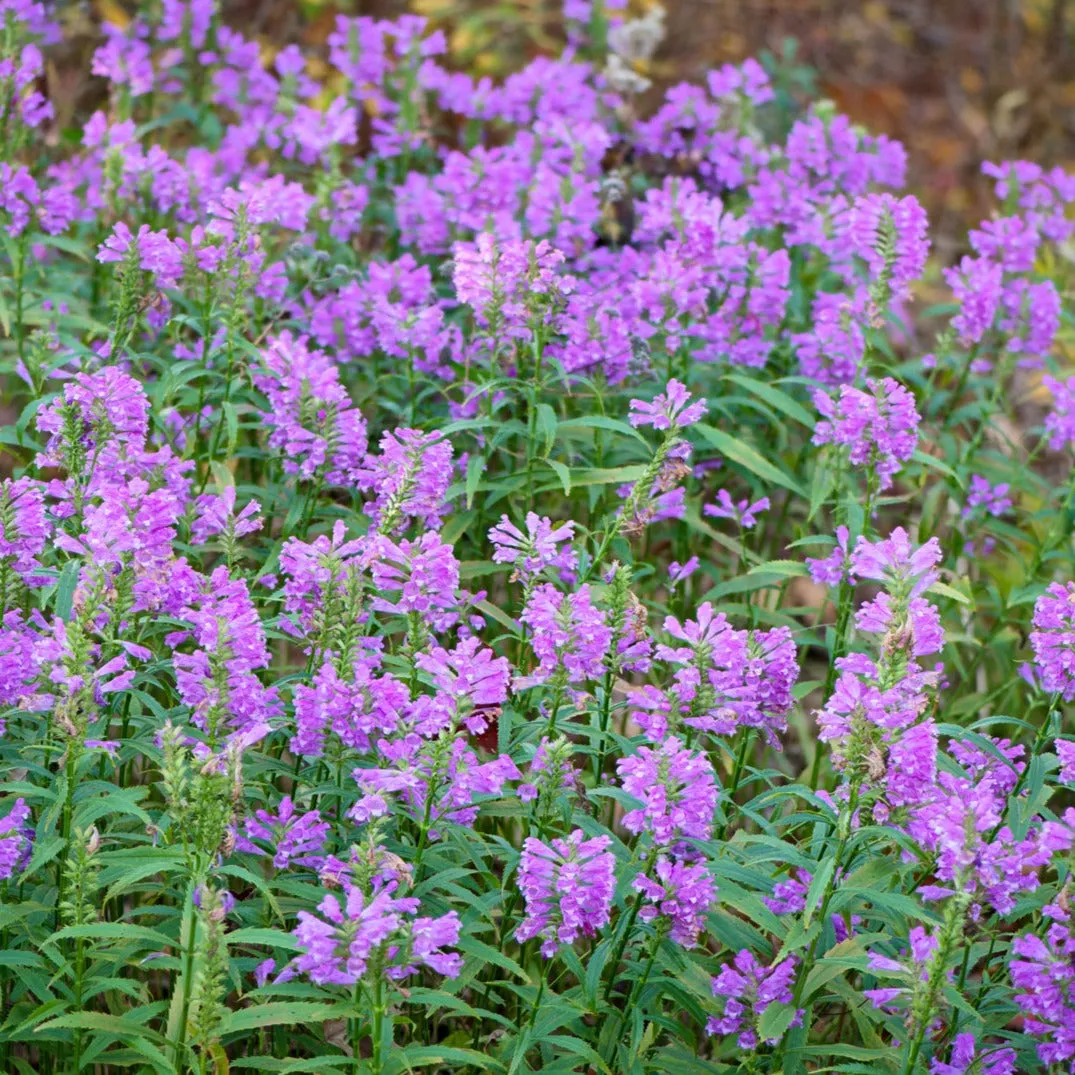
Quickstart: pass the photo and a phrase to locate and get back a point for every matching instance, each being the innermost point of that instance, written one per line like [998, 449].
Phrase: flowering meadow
[499, 578]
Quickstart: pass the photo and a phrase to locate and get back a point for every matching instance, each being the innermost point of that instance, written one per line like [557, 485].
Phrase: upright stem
[733, 787]
[953, 923]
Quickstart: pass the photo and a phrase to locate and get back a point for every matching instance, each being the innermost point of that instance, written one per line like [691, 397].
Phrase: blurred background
[957, 81]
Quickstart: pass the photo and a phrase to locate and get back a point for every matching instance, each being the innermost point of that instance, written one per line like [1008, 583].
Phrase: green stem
[733, 787]
[953, 923]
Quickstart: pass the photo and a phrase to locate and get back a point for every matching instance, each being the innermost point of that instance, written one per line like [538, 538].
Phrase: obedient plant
[504, 576]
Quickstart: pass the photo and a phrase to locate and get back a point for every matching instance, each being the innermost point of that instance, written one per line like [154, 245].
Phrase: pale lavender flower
[966, 1057]
[293, 837]
[1053, 639]
[744, 512]
[679, 895]
[409, 480]
[748, 988]
[16, 840]
[834, 568]
[569, 635]
[879, 427]
[672, 409]
[676, 785]
[567, 887]
[539, 547]
[678, 572]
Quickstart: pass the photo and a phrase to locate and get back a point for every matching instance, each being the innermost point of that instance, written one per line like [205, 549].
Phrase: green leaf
[563, 474]
[775, 1020]
[780, 401]
[746, 456]
[283, 1012]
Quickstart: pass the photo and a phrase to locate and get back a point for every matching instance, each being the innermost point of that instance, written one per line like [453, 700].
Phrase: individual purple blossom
[293, 837]
[216, 515]
[676, 785]
[338, 948]
[912, 969]
[679, 895]
[994, 499]
[409, 480]
[1042, 971]
[879, 427]
[966, 1057]
[671, 409]
[748, 988]
[744, 512]
[1053, 639]
[356, 708]
[789, 895]
[567, 888]
[16, 840]
[678, 572]
[898, 564]
[539, 547]
[1065, 752]
[833, 569]
[569, 635]
[1060, 421]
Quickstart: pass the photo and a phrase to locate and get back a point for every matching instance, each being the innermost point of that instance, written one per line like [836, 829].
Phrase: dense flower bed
[492, 582]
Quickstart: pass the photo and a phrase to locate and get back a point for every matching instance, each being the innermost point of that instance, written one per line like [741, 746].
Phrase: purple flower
[977, 284]
[216, 515]
[879, 427]
[313, 424]
[993, 498]
[409, 480]
[569, 636]
[896, 563]
[568, 889]
[24, 527]
[1060, 422]
[473, 678]
[890, 235]
[672, 409]
[293, 837]
[1065, 752]
[16, 840]
[356, 709]
[911, 970]
[965, 1057]
[679, 895]
[1043, 973]
[789, 896]
[834, 568]
[677, 787]
[536, 549]
[748, 988]
[337, 949]
[678, 572]
[744, 512]
[1053, 639]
